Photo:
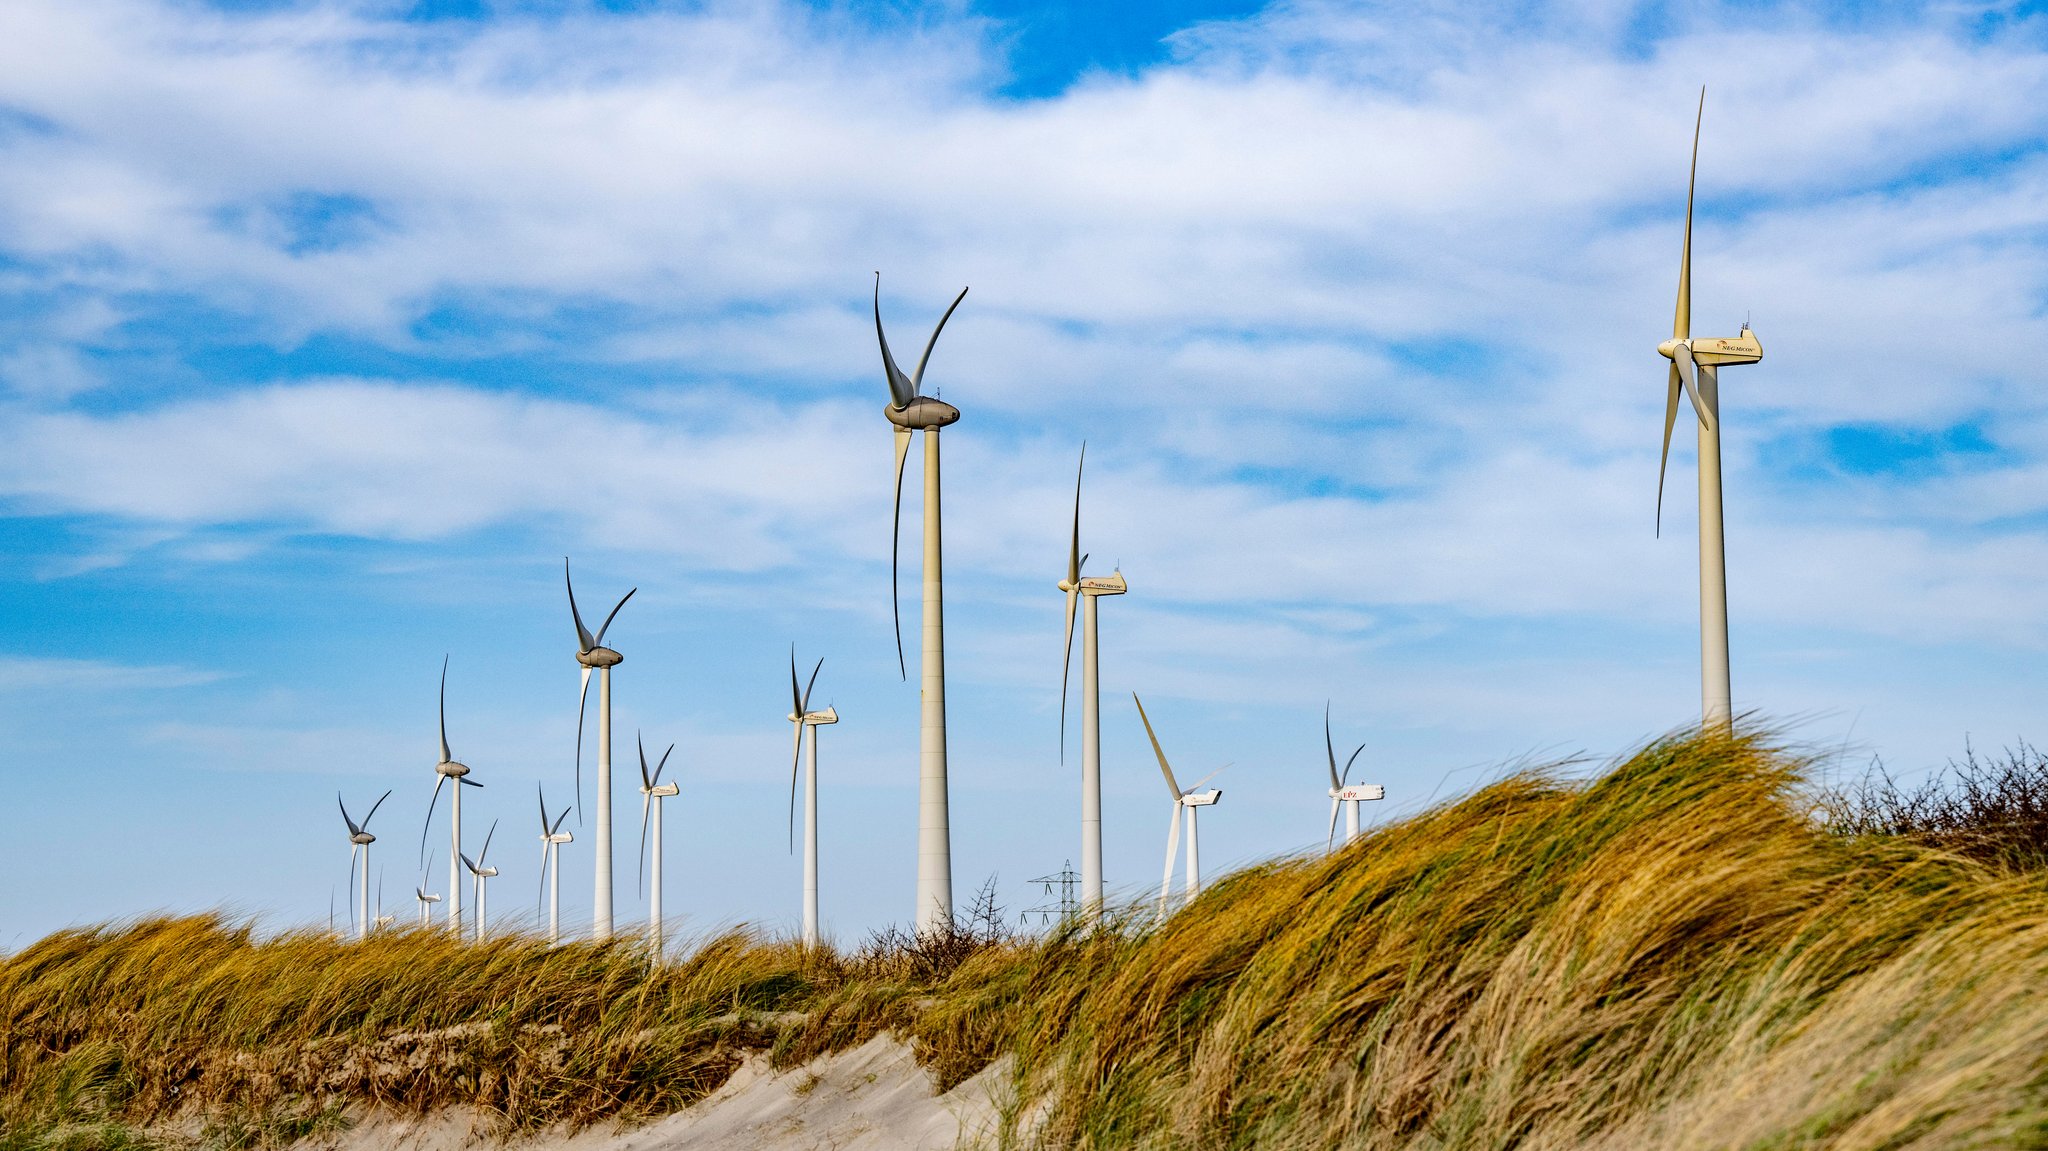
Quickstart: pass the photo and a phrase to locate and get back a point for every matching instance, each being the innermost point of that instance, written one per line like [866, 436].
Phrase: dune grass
[1674, 954]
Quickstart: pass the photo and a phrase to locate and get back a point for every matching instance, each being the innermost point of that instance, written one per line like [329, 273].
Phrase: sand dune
[872, 1097]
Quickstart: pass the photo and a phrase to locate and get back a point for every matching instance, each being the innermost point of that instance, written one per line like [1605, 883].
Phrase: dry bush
[1994, 810]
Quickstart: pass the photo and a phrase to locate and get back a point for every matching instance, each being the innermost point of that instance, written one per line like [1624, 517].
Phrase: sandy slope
[873, 1097]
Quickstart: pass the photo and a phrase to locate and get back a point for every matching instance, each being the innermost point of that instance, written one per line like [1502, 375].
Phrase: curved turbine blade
[1212, 775]
[446, 755]
[353, 830]
[896, 549]
[468, 782]
[1330, 748]
[466, 863]
[607, 624]
[1163, 766]
[1073, 598]
[1348, 763]
[901, 390]
[486, 852]
[353, 849]
[559, 821]
[917, 377]
[1681, 358]
[373, 809]
[582, 702]
[583, 637]
[540, 897]
[1332, 840]
[646, 802]
[1172, 850]
[804, 705]
[1670, 420]
[424, 827]
[662, 762]
[645, 781]
[796, 753]
[1681, 320]
[541, 794]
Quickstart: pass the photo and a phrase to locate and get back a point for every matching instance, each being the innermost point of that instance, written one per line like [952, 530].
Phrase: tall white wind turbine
[1344, 793]
[1695, 366]
[426, 899]
[652, 792]
[446, 770]
[1084, 591]
[552, 837]
[910, 411]
[802, 717]
[359, 841]
[1190, 801]
[593, 655]
[479, 872]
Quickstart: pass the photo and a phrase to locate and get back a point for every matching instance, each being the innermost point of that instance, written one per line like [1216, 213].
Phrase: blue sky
[327, 330]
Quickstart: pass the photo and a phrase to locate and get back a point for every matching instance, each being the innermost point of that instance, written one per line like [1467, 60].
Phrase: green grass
[1672, 955]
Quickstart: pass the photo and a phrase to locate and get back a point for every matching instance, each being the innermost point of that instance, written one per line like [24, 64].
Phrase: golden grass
[1669, 956]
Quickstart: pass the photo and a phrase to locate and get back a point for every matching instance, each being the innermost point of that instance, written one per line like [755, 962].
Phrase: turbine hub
[450, 767]
[1669, 348]
[923, 412]
[362, 838]
[599, 657]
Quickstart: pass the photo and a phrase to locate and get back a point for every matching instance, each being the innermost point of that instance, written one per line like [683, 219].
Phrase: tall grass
[1672, 955]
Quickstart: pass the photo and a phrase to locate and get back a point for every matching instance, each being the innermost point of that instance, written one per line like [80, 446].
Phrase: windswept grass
[1673, 955]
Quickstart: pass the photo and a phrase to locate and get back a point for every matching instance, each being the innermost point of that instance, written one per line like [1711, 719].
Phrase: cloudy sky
[329, 328]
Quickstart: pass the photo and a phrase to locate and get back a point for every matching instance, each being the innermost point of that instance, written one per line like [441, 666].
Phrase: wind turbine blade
[1164, 767]
[917, 377]
[804, 705]
[1073, 597]
[662, 762]
[1172, 850]
[1664, 460]
[540, 897]
[645, 782]
[466, 862]
[485, 854]
[542, 795]
[446, 755]
[438, 781]
[561, 819]
[646, 802]
[583, 636]
[795, 758]
[582, 702]
[607, 624]
[353, 849]
[1212, 775]
[1329, 747]
[373, 810]
[1347, 765]
[468, 782]
[1681, 320]
[353, 830]
[896, 550]
[901, 390]
[1681, 358]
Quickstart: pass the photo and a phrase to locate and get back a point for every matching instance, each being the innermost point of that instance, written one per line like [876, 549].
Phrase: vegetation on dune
[1676, 954]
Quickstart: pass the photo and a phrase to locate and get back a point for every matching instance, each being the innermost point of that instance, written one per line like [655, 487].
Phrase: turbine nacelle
[452, 769]
[816, 718]
[1112, 584]
[662, 790]
[599, 657]
[558, 837]
[1201, 798]
[1716, 351]
[1359, 792]
[922, 413]
[362, 839]
[423, 897]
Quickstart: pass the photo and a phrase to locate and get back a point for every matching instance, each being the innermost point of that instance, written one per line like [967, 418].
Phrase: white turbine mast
[359, 841]
[552, 837]
[652, 792]
[1695, 368]
[1190, 801]
[910, 411]
[802, 717]
[1085, 590]
[593, 655]
[479, 873]
[446, 770]
[1344, 793]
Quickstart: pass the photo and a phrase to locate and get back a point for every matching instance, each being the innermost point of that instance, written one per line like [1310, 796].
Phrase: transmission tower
[1066, 880]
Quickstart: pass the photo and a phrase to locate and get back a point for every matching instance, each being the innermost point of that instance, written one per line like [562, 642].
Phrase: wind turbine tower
[552, 837]
[446, 770]
[481, 873]
[359, 841]
[911, 411]
[801, 715]
[1190, 800]
[1086, 589]
[594, 656]
[652, 792]
[1695, 367]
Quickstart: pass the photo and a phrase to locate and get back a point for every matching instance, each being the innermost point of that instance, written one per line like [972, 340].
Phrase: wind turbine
[426, 900]
[801, 715]
[359, 841]
[448, 769]
[479, 873]
[1086, 590]
[652, 792]
[1189, 801]
[909, 410]
[552, 837]
[592, 654]
[1345, 794]
[1695, 365]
